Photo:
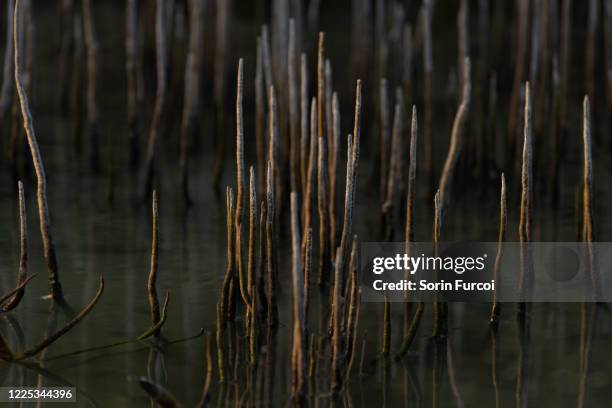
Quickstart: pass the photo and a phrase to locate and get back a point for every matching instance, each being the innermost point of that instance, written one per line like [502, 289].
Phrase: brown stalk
[299, 351]
[322, 199]
[43, 209]
[274, 145]
[225, 306]
[14, 300]
[336, 382]
[154, 329]
[307, 271]
[13, 293]
[496, 307]
[294, 165]
[260, 121]
[386, 335]
[456, 140]
[304, 133]
[333, 173]
[152, 278]
[160, 96]
[329, 125]
[351, 181]
[526, 200]
[205, 398]
[353, 321]
[219, 331]
[587, 197]
[6, 92]
[411, 326]
[311, 178]
[191, 101]
[439, 312]
[272, 317]
[320, 85]
[244, 291]
[251, 278]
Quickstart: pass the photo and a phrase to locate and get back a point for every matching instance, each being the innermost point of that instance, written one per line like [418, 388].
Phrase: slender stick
[321, 85]
[329, 124]
[410, 327]
[495, 307]
[304, 133]
[299, 352]
[23, 252]
[294, 165]
[225, 306]
[240, 182]
[309, 198]
[351, 181]
[39, 167]
[152, 278]
[322, 199]
[251, 278]
[333, 174]
[439, 312]
[208, 380]
[272, 317]
[335, 363]
[587, 198]
[386, 337]
[526, 200]
[307, 271]
[260, 135]
[456, 140]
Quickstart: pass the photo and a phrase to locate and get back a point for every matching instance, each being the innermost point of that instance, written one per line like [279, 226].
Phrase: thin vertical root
[23, 253]
[43, 208]
[495, 307]
[299, 351]
[322, 198]
[152, 278]
[456, 140]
